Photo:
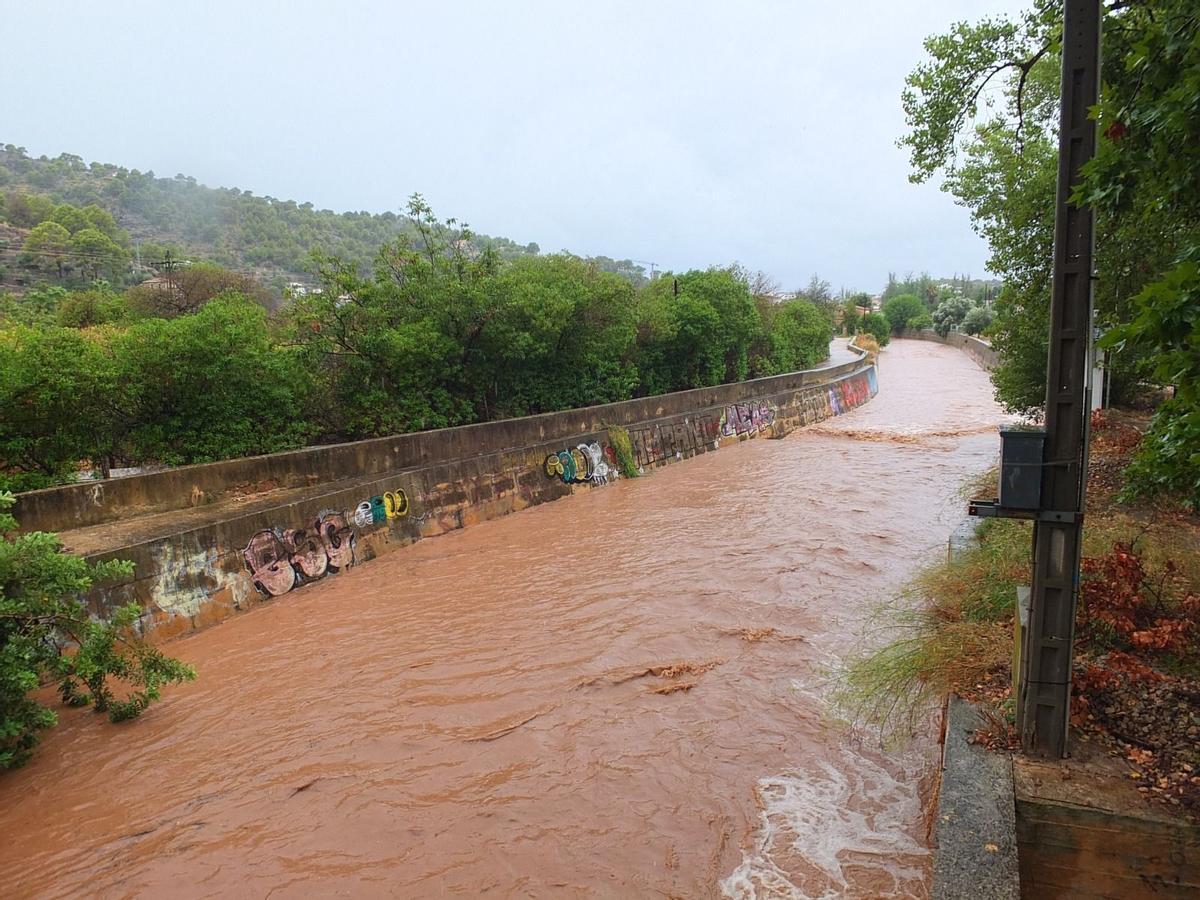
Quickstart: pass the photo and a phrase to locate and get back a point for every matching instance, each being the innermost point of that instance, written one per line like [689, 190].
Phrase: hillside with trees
[265, 236]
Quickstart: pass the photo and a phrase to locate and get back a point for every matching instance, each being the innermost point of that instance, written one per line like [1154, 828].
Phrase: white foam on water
[844, 814]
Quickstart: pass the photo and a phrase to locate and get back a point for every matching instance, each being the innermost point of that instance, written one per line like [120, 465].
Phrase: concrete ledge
[979, 350]
[1085, 831]
[976, 853]
[964, 537]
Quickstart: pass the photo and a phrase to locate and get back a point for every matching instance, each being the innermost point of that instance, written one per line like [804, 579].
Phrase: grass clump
[949, 630]
[866, 341]
[618, 439]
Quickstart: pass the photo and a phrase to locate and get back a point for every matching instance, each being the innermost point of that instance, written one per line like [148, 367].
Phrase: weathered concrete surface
[1085, 831]
[207, 541]
[976, 829]
[979, 350]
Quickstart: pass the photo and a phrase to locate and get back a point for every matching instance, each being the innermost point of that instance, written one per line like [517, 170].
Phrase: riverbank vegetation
[983, 113]
[48, 636]
[1137, 634]
[1137, 647]
[194, 366]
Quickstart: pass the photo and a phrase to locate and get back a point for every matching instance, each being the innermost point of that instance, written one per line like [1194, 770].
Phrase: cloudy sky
[682, 133]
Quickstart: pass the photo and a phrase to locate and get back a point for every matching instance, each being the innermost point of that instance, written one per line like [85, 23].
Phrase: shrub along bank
[439, 334]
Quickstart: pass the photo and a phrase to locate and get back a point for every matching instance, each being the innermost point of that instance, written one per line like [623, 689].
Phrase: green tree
[850, 311]
[696, 329]
[876, 325]
[46, 247]
[95, 252]
[98, 305]
[53, 384]
[1145, 181]
[950, 313]
[800, 336]
[70, 218]
[983, 111]
[562, 337]
[40, 618]
[25, 210]
[976, 320]
[207, 386]
[899, 311]
[37, 306]
[394, 352]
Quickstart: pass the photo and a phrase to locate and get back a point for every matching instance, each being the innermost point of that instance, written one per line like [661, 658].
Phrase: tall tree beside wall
[695, 330]
[1146, 180]
[997, 150]
[563, 337]
[53, 386]
[205, 387]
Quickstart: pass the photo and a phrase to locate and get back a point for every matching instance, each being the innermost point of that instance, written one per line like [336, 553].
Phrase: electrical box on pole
[1044, 690]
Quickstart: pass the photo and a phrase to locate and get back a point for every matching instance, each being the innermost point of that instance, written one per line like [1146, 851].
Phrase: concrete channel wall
[209, 540]
[979, 350]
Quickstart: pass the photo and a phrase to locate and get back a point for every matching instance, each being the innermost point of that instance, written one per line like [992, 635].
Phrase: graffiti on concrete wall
[278, 560]
[388, 505]
[582, 463]
[852, 392]
[746, 418]
[655, 443]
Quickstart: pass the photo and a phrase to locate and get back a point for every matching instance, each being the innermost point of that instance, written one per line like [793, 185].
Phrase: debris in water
[672, 687]
[508, 729]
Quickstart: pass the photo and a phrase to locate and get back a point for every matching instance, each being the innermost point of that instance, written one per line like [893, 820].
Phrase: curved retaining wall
[979, 350]
[212, 539]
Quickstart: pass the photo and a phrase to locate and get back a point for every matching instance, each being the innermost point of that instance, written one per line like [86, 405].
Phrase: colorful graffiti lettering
[658, 442]
[395, 504]
[279, 560]
[746, 418]
[581, 464]
[388, 505]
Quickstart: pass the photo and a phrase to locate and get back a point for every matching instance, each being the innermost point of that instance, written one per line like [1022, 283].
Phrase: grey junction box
[1021, 467]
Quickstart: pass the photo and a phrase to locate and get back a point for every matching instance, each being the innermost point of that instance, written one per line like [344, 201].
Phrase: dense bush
[192, 389]
[976, 320]
[876, 325]
[205, 387]
[899, 311]
[919, 322]
[950, 314]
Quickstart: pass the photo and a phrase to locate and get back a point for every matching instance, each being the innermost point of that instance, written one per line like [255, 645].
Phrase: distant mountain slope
[235, 228]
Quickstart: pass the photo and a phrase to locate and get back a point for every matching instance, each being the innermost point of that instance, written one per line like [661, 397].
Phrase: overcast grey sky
[683, 133]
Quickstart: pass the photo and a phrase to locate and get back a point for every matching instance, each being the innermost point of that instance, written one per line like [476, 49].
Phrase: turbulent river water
[621, 694]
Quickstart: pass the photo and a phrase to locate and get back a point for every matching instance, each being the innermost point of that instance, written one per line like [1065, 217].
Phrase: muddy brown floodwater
[621, 694]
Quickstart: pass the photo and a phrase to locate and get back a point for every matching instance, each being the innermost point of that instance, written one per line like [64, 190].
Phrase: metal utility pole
[1046, 658]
